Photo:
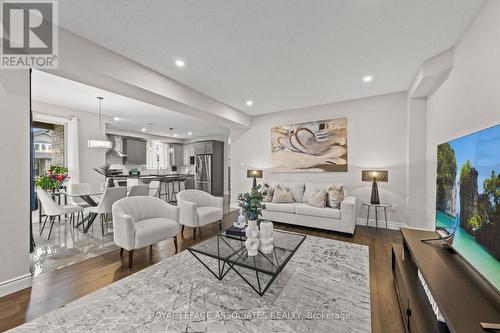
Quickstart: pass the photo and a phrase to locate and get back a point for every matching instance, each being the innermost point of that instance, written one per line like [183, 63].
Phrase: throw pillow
[268, 193]
[317, 199]
[335, 196]
[282, 195]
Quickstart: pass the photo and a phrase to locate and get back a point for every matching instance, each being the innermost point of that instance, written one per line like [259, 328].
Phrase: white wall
[469, 100]
[88, 127]
[376, 139]
[15, 168]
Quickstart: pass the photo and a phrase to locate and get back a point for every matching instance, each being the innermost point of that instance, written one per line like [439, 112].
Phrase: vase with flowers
[55, 177]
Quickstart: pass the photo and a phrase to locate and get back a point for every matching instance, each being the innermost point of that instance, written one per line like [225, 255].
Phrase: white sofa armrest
[123, 230]
[348, 214]
[188, 213]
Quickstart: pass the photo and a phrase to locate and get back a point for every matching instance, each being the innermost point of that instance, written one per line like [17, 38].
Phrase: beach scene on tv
[467, 198]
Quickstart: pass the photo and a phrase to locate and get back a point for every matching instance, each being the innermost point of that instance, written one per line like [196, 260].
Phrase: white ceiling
[133, 115]
[282, 54]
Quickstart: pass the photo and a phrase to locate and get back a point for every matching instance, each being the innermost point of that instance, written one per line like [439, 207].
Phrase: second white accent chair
[110, 196]
[53, 210]
[142, 221]
[154, 188]
[198, 208]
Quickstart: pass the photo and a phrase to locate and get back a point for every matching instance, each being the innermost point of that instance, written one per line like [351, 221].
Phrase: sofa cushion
[282, 195]
[151, 231]
[312, 188]
[334, 196]
[296, 189]
[305, 209]
[268, 192]
[281, 207]
[318, 199]
[209, 214]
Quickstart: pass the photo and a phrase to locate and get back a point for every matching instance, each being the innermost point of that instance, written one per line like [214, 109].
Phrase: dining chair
[154, 188]
[53, 210]
[139, 191]
[110, 196]
[79, 188]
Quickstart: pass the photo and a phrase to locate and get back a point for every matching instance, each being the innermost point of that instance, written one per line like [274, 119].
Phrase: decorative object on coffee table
[240, 224]
[266, 239]
[254, 174]
[251, 203]
[374, 176]
[252, 242]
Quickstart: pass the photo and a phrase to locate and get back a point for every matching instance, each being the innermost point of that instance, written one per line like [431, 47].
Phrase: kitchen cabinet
[135, 150]
[176, 154]
[189, 150]
[204, 147]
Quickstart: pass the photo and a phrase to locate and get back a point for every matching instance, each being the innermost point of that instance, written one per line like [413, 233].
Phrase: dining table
[86, 193]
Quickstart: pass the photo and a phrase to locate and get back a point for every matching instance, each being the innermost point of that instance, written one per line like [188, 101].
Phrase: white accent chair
[142, 221]
[139, 191]
[198, 208]
[154, 188]
[53, 210]
[110, 196]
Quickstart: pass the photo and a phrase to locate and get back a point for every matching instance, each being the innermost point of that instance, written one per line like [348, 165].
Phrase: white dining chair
[53, 210]
[154, 188]
[79, 188]
[110, 196]
[139, 191]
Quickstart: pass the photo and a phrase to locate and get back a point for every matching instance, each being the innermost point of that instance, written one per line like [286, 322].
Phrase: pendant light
[105, 144]
[149, 127]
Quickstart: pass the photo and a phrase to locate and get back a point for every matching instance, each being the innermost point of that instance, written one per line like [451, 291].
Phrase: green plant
[104, 170]
[55, 177]
[251, 203]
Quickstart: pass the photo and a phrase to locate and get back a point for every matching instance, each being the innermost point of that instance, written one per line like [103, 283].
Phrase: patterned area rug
[323, 288]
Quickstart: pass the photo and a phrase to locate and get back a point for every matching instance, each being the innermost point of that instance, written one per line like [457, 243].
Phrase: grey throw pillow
[334, 196]
[317, 199]
[282, 195]
[268, 192]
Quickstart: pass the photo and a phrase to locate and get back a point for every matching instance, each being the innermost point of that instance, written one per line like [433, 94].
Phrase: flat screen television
[468, 197]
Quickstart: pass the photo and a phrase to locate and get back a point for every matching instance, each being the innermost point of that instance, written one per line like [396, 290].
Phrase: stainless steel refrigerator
[203, 173]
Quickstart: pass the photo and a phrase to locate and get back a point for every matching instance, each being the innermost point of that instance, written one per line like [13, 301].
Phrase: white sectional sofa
[301, 213]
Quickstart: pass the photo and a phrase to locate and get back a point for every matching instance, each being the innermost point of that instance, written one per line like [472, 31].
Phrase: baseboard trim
[15, 284]
[381, 223]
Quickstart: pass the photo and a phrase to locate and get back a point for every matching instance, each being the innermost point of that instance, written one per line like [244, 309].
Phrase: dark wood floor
[54, 289]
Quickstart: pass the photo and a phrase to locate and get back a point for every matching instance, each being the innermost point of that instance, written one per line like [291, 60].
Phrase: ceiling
[282, 54]
[133, 115]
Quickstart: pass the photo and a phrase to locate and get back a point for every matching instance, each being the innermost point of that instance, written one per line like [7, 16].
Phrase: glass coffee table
[258, 271]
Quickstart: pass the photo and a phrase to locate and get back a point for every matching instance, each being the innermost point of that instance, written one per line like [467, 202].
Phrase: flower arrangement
[55, 177]
[105, 170]
[251, 203]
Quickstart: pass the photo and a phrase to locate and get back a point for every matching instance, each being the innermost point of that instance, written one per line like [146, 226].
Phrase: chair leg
[43, 226]
[199, 231]
[52, 219]
[194, 233]
[175, 243]
[130, 258]
[121, 252]
[220, 224]
[102, 224]
[151, 252]
[182, 230]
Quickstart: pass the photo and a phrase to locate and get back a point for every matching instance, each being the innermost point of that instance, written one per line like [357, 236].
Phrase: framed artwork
[318, 146]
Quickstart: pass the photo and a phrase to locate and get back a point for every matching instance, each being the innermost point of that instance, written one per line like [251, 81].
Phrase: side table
[376, 206]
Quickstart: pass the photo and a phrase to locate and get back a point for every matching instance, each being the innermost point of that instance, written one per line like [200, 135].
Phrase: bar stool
[174, 192]
[166, 190]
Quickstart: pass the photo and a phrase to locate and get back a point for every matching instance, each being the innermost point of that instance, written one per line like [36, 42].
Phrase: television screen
[467, 199]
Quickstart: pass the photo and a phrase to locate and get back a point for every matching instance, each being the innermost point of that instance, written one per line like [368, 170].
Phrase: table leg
[385, 213]
[89, 222]
[39, 211]
[367, 215]
[376, 216]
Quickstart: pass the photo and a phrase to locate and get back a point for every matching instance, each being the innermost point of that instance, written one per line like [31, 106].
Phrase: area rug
[323, 288]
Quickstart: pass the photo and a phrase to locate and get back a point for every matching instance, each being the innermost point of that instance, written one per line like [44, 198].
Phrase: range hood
[116, 147]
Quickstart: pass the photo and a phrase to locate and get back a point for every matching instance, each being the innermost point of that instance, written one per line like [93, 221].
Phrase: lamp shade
[254, 173]
[377, 175]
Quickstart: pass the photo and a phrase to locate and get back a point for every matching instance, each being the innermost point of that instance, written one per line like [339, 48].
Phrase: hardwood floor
[54, 289]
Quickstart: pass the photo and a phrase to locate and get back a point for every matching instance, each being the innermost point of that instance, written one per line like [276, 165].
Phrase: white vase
[266, 239]
[252, 242]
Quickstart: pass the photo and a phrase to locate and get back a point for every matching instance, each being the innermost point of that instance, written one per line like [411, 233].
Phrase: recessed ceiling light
[179, 63]
[143, 129]
[249, 103]
[368, 79]
[116, 119]
[190, 133]
[175, 134]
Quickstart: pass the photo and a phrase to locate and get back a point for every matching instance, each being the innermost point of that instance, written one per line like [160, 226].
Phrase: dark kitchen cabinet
[135, 150]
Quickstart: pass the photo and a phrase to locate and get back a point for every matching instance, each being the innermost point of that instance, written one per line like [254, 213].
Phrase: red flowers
[59, 177]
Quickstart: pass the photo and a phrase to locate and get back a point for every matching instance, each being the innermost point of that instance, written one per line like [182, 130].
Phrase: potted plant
[52, 181]
[105, 171]
[251, 203]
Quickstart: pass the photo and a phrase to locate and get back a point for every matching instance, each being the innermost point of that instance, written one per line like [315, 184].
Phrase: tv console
[437, 290]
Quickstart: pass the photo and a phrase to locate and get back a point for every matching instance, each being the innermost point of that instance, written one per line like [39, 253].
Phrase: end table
[376, 206]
